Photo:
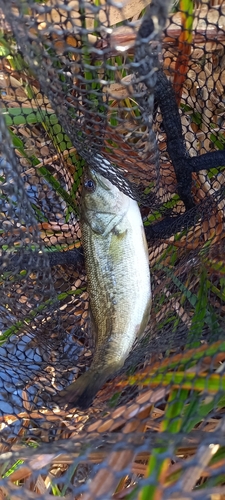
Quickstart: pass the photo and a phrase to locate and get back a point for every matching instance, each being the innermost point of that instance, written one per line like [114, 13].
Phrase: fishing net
[136, 91]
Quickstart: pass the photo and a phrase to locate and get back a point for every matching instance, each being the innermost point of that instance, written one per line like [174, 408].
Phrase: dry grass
[119, 448]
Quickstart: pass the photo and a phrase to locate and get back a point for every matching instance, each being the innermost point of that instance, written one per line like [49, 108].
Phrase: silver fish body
[117, 265]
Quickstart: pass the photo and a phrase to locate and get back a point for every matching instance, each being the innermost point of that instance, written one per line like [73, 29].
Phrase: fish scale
[117, 266]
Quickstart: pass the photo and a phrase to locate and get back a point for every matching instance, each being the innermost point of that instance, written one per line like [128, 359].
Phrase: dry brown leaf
[25, 471]
[106, 479]
[40, 486]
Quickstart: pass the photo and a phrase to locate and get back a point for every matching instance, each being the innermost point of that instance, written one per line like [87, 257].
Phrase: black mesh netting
[134, 91]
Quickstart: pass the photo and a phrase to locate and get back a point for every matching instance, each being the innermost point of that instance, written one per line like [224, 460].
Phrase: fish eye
[89, 185]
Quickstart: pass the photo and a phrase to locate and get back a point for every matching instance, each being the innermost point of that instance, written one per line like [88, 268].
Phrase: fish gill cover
[134, 91]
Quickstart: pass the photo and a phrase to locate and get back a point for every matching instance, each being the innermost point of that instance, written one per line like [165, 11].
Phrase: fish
[118, 277]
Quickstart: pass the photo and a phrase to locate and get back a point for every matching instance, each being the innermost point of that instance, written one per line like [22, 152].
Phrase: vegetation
[155, 445]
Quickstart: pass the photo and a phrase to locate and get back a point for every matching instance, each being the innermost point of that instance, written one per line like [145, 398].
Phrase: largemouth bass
[117, 266]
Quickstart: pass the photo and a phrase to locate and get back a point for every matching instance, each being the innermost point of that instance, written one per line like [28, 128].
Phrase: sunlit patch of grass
[13, 468]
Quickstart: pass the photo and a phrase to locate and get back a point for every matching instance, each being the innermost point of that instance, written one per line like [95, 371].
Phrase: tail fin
[81, 393]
